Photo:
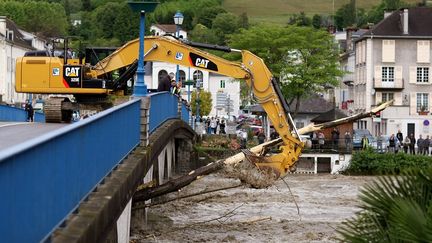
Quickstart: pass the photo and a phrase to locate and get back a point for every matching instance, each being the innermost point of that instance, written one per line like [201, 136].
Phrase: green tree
[205, 102]
[225, 24]
[244, 20]
[303, 58]
[300, 20]
[394, 209]
[202, 34]
[346, 15]
[46, 19]
[86, 5]
[392, 4]
[206, 15]
[316, 21]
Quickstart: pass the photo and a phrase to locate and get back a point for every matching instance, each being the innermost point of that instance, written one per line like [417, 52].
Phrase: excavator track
[53, 111]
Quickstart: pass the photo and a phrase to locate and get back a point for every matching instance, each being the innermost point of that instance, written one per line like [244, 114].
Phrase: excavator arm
[252, 69]
[89, 84]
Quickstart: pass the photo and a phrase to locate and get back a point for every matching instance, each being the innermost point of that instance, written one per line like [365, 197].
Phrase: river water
[245, 214]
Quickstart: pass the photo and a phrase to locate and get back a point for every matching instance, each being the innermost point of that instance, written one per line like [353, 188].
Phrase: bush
[369, 162]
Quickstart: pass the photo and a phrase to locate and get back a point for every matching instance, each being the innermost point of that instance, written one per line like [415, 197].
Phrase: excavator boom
[251, 69]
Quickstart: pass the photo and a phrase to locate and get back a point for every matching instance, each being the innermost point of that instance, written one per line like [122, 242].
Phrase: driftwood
[175, 184]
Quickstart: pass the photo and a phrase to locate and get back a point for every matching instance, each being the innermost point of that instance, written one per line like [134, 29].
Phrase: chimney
[404, 20]
[3, 25]
[349, 32]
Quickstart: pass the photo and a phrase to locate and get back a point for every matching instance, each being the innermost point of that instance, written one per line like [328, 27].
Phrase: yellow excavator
[90, 84]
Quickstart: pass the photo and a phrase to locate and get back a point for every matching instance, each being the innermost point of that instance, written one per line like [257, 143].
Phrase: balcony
[397, 84]
[348, 79]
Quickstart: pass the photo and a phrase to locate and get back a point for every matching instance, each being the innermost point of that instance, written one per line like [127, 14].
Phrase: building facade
[14, 43]
[392, 62]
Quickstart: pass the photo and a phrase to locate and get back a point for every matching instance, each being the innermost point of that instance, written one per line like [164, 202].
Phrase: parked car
[357, 138]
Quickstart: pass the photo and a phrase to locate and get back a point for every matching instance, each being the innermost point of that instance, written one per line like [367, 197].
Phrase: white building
[392, 61]
[13, 43]
[211, 82]
[167, 29]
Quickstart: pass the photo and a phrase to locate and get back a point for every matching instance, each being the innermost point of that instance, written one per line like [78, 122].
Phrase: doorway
[411, 129]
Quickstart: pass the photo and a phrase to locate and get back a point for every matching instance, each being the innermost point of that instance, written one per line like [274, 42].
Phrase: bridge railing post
[144, 120]
[179, 107]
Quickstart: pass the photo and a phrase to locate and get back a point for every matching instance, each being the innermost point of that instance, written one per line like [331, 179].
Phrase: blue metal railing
[43, 180]
[185, 112]
[9, 113]
[163, 106]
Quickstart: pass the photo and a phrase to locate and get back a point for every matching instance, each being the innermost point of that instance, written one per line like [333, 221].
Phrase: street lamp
[178, 21]
[140, 88]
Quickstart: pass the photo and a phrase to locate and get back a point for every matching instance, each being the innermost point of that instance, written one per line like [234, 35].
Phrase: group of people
[318, 139]
[408, 143]
[168, 83]
[214, 126]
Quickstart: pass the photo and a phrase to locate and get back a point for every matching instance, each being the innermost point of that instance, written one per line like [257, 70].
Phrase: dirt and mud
[245, 214]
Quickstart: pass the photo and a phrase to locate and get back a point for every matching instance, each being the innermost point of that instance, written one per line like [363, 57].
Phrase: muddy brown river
[245, 214]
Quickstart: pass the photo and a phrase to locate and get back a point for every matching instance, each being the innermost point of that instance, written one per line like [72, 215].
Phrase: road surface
[13, 133]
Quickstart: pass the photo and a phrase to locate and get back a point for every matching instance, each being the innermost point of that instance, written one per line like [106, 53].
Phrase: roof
[313, 104]
[419, 22]
[18, 37]
[168, 28]
[330, 115]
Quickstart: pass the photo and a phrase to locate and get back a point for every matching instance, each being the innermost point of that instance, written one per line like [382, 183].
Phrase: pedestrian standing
[426, 144]
[392, 143]
[30, 111]
[321, 140]
[222, 127]
[406, 144]
[213, 125]
[335, 138]
[347, 140]
[364, 142]
[420, 141]
[379, 143]
[412, 144]
[314, 138]
[165, 83]
[399, 136]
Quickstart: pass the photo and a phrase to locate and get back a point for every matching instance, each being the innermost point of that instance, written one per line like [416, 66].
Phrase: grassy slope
[278, 11]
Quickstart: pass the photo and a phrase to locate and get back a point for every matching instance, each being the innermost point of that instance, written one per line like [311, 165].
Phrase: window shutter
[413, 74]
[388, 50]
[378, 97]
[397, 98]
[430, 100]
[378, 76]
[423, 51]
[398, 76]
[413, 103]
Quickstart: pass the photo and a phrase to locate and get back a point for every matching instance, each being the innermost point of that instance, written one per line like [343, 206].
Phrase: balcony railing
[397, 83]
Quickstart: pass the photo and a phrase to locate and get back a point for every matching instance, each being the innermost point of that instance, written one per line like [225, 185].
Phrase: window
[387, 96]
[198, 76]
[387, 74]
[422, 102]
[422, 74]
[222, 84]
